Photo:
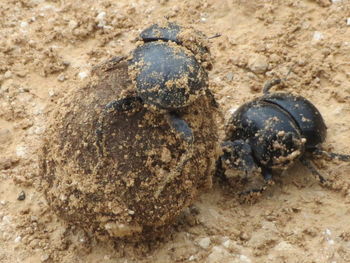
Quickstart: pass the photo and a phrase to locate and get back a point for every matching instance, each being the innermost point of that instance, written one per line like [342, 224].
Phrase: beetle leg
[127, 104]
[211, 96]
[309, 165]
[180, 127]
[267, 174]
[183, 130]
[269, 84]
[219, 170]
[336, 156]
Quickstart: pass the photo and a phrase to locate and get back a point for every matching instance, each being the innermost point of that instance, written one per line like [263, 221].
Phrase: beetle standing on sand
[272, 132]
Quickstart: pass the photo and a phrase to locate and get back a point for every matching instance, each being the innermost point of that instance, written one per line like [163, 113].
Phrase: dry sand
[49, 47]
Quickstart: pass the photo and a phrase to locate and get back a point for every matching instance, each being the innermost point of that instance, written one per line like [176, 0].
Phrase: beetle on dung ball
[125, 154]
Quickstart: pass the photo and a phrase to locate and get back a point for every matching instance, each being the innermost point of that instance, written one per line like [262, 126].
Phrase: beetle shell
[305, 115]
[167, 75]
[135, 185]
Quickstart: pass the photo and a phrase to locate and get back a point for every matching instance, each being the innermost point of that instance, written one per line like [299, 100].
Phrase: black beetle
[169, 73]
[272, 132]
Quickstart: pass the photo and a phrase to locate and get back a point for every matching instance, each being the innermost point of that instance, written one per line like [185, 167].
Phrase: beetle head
[238, 155]
[191, 39]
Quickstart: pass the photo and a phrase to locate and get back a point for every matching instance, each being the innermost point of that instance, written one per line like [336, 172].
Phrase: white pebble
[318, 36]
[24, 24]
[204, 242]
[348, 21]
[3, 202]
[44, 257]
[244, 259]
[52, 93]
[18, 239]
[219, 255]
[7, 219]
[72, 24]
[336, 1]
[8, 74]
[327, 232]
[191, 258]
[61, 77]
[39, 130]
[101, 16]
[21, 151]
[83, 75]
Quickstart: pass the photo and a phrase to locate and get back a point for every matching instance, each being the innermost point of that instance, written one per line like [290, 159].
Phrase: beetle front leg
[267, 175]
[182, 130]
[180, 127]
[125, 105]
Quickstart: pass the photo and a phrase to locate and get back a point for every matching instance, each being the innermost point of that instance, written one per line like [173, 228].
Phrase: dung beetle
[169, 74]
[270, 133]
[126, 153]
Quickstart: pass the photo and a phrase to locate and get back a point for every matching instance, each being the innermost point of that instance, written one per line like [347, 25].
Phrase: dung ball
[134, 174]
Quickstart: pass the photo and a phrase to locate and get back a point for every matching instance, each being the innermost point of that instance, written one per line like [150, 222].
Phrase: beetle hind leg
[332, 156]
[310, 166]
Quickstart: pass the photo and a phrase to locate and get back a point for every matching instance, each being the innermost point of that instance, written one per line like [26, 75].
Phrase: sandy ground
[49, 47]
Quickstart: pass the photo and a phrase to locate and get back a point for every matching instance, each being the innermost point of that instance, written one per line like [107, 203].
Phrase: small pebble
[258, 64]
[83, 75]
[72, 24]
[18, 239]
[229, 76]
[204, 242]
[244, 259]
[8, 74]
[21, 196]
[348, 21]
[192, 258]
[44, 257]
[24, 24]
[52, 93]
[61, 77]
[219, 255]
[21, 151]
[318, 36]
[101, 16]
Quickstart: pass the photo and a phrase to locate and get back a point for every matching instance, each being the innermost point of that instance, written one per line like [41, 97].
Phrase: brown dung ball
[121, 167]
